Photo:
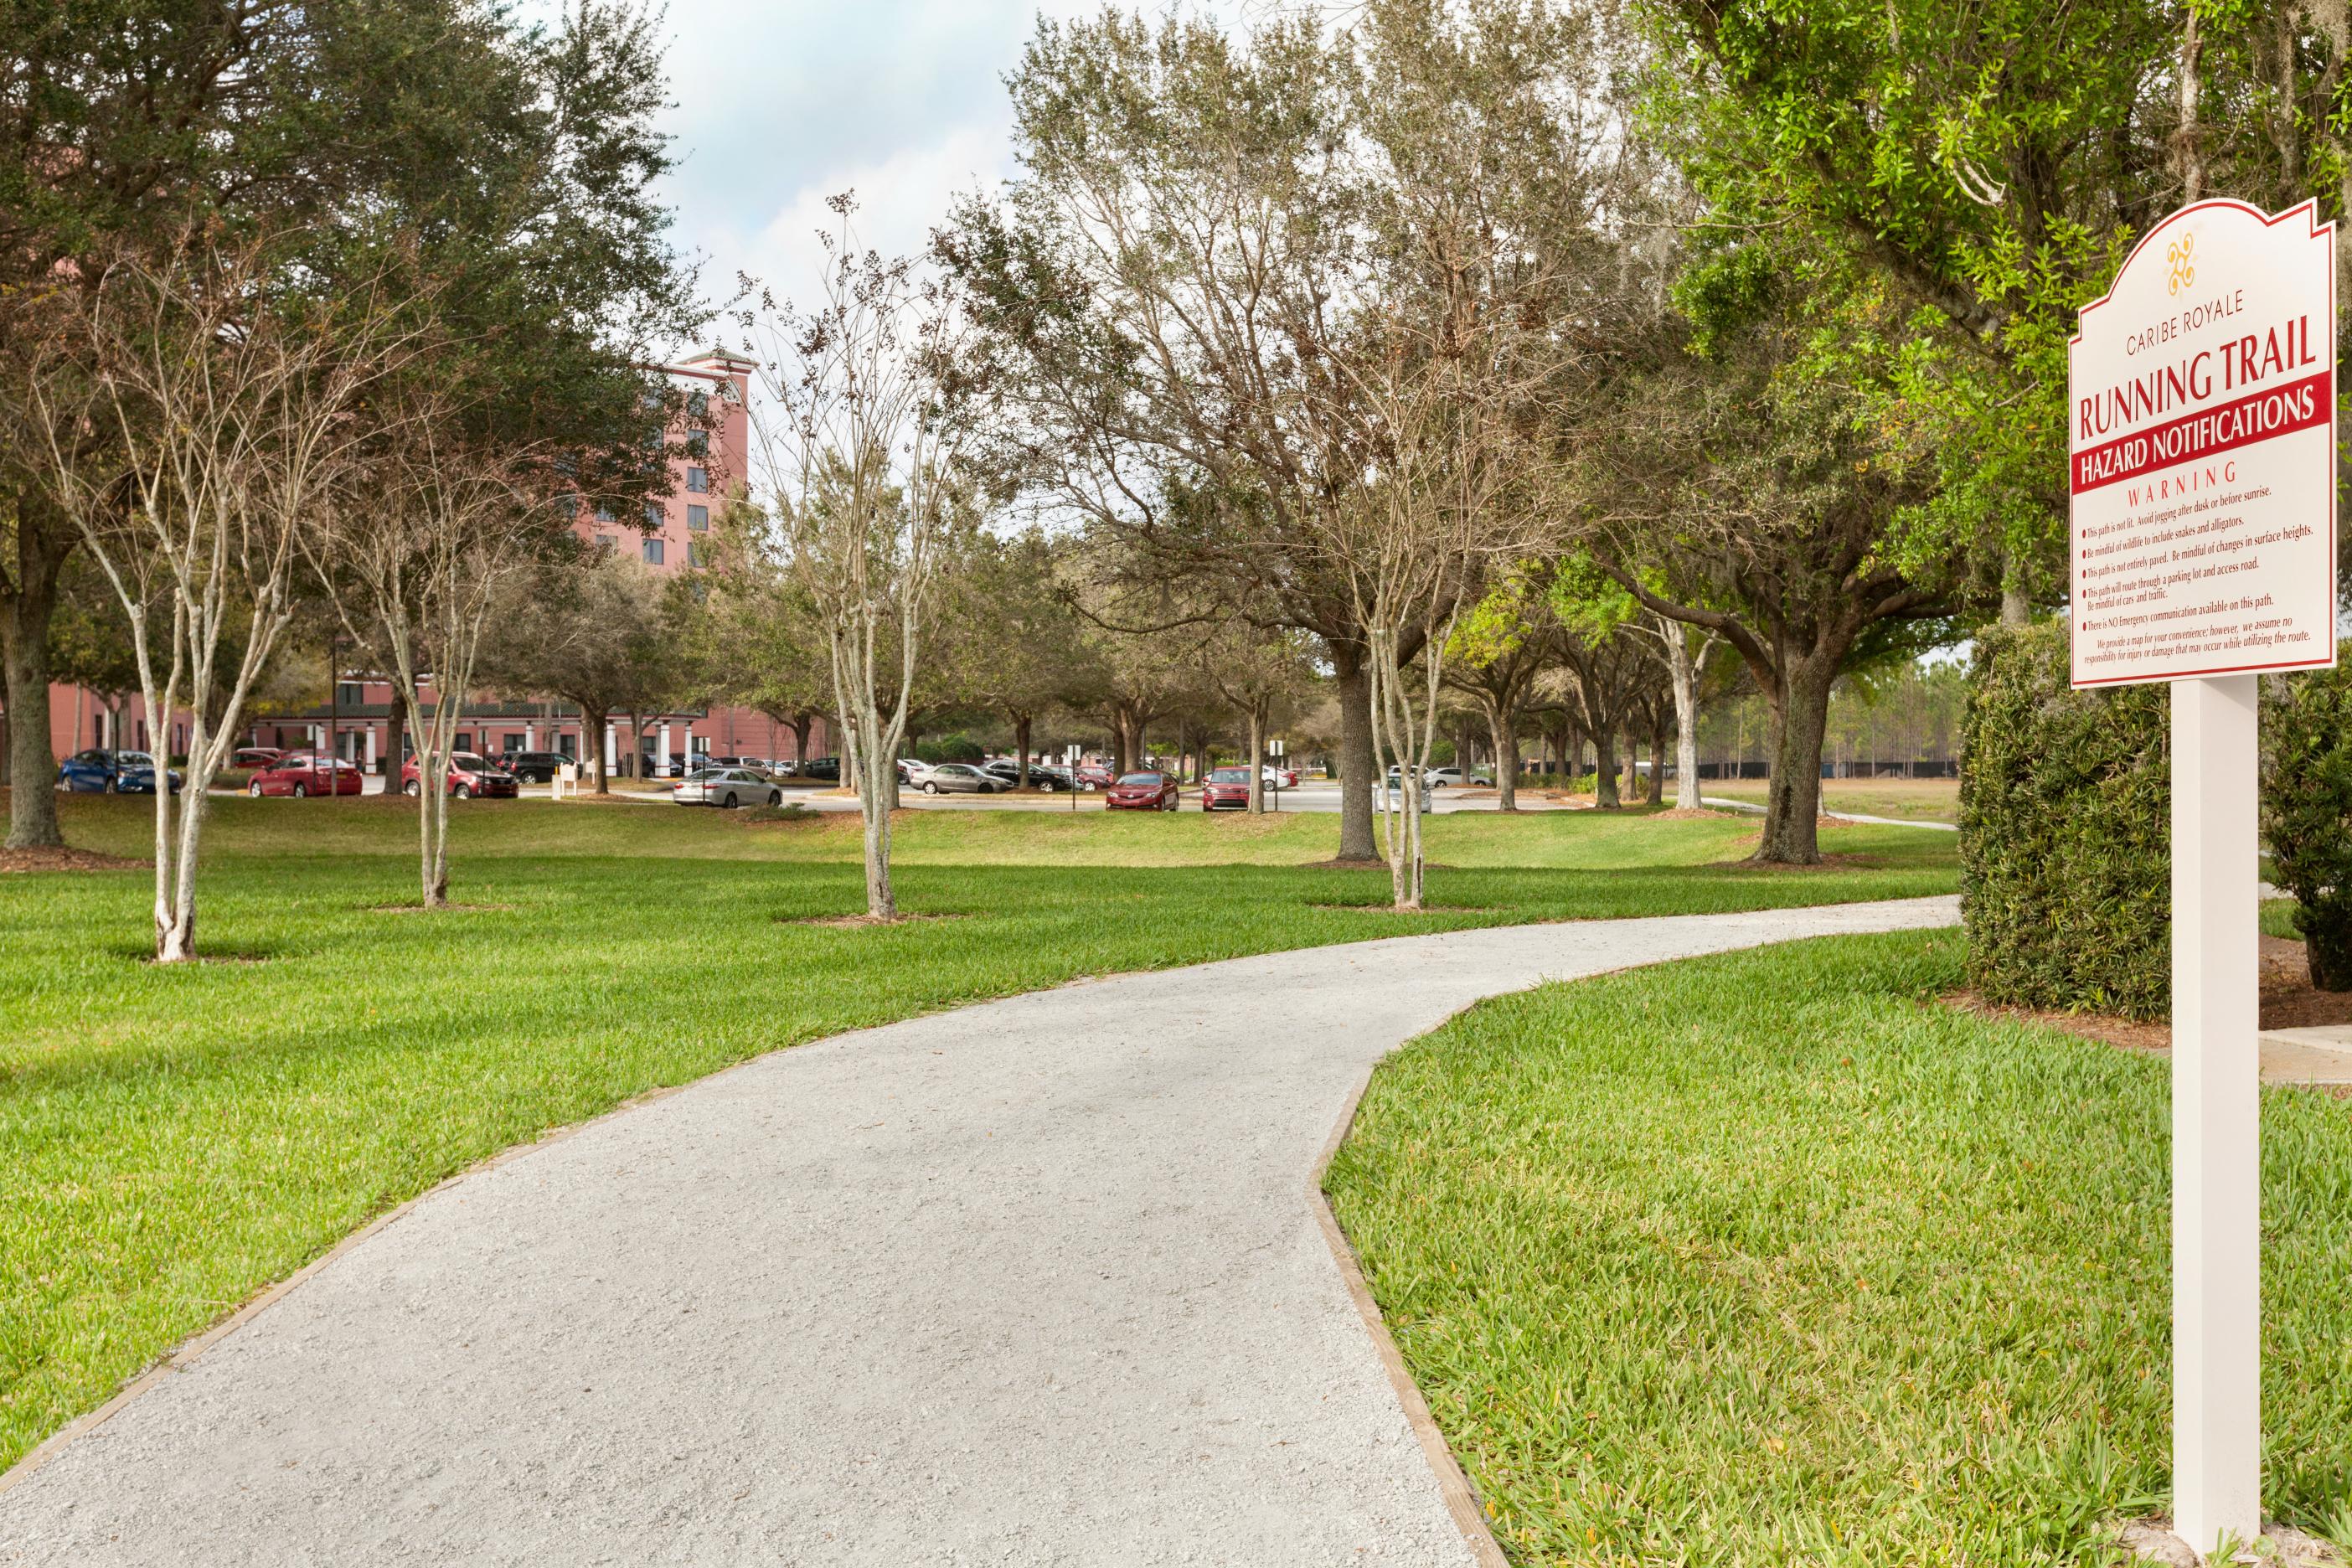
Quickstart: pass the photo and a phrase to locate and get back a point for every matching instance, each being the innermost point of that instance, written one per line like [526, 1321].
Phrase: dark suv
[826, 768]
[534, 767]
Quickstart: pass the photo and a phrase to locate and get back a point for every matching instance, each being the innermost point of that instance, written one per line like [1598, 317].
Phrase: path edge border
[1453, 1483]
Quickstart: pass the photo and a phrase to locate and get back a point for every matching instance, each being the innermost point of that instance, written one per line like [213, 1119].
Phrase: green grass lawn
[1906, 800]
[1767, 1258]
[173, 1140]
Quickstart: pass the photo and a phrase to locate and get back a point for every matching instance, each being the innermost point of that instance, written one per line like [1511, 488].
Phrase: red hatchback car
[301, 774]
[1225, 789]
[1142, 792]
[470, 775]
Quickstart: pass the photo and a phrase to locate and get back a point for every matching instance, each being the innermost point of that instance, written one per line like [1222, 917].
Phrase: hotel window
[697, 443]
[653, 514]
[697, 518]
[603, 513]
[608, 543]
[699, 481]
[694, 553]
[698, 404]
[652, 552]
[347, 693]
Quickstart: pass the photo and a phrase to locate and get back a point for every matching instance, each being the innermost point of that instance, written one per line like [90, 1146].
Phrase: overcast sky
[781, 103]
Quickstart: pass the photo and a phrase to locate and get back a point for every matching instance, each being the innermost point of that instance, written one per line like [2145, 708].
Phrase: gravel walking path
[1036, 1281]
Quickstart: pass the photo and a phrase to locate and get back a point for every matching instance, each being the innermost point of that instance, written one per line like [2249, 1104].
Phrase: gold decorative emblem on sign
[2179, 272]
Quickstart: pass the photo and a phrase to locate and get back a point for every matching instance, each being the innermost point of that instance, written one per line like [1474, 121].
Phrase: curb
[1453, 1482]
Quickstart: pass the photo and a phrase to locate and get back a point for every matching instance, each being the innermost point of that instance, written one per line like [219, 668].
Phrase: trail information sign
[2201, 441]
[2202, 444]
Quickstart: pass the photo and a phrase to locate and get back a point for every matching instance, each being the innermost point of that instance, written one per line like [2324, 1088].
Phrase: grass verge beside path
[170, 1140]
[1768, 1258]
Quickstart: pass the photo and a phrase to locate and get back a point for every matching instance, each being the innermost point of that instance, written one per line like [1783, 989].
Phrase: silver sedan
[727, 786]
[962, 778]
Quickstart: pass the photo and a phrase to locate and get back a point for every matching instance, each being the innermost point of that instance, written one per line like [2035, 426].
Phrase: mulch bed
[2288, 1002]
[65, 861]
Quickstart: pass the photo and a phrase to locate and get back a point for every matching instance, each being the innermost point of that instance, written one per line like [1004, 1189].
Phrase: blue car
[112, 773]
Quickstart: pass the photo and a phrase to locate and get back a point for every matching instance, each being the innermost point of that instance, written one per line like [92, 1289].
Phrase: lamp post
[1275, 746]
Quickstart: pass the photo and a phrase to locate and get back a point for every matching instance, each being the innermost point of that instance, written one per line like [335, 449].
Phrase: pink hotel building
[355, 723]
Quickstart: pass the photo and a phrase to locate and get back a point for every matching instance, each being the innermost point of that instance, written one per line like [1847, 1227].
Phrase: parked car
[826, 768]
[1009, 771]
[534, 767]
[962, 778]
[112, 773]
[784, 767]
[727, 787]
[470, 774]
[1225, 789]
[1094, 775]
[1143, 792]
[913, 770]
[255, 757]
[304, 773]
[1280, 778]
[1452, 778]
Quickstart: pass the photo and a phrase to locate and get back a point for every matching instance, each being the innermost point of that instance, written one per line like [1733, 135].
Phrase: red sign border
[2309, 209]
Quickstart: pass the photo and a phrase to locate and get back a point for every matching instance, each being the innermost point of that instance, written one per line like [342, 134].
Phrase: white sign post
[2201, 416]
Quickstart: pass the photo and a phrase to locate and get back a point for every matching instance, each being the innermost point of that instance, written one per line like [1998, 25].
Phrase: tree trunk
[1656, 792]
[1502, 725]
[1358, 768]
[1604, 767]
[1800, 707]
[1256, 761]
[594, 729]
[1021, 750]
[1684, 671]
[32, 768]
[395, 735]
[801, 724]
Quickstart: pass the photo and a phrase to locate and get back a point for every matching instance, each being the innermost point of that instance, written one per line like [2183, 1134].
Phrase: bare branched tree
[856, 459]
[429, 540]
[230, 399]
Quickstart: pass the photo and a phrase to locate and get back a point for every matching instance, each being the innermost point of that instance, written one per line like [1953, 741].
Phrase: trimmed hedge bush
[2307, 809]
[2065, 881]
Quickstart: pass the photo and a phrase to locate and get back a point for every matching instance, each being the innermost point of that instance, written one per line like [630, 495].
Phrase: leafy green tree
[1028, 654]
[1500, 646]
[520, 162]
[1746, 494]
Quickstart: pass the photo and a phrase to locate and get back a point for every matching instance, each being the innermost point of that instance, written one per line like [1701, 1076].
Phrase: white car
[727, 786]
[914, 770]
[1451, 778]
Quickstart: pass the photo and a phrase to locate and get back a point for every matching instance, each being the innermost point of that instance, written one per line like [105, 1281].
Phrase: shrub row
[2065, 882]
[2307, 809]
[2065, 822]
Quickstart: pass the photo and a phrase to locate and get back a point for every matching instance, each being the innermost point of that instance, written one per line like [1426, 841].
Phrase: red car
[1094, 775]
[1142, 792]
[303, 773]
[470, 774]
[1225, 789]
